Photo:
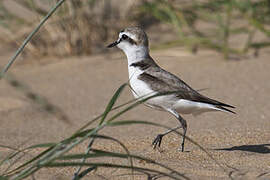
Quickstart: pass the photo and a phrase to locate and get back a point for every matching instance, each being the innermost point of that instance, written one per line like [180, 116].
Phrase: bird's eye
[124, 36]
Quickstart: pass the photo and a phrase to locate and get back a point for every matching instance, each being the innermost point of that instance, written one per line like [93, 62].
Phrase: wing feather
[162, 81]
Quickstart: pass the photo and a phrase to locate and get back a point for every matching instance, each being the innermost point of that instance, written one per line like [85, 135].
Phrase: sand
[82, 87]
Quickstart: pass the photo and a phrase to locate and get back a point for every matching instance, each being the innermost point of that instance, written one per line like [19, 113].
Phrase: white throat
[135, 53]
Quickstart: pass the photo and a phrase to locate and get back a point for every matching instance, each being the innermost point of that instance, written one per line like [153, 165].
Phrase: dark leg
[184, 126]
[183, 122]
[158, 139]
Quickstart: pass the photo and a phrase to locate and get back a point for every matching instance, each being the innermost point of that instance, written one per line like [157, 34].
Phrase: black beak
[113, 44]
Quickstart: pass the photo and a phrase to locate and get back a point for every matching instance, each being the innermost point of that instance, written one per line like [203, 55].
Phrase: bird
[147, 78]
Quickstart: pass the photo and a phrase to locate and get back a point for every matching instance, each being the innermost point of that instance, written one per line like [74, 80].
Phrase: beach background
[68, 65]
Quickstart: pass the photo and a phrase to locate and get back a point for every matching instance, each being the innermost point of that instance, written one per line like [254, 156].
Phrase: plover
[147, 78]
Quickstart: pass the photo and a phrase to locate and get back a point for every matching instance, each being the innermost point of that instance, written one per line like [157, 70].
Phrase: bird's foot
[181, 148]
[157, 140]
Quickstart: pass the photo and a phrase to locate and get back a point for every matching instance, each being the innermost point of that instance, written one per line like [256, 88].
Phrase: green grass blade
[79, 134]
[9, 147]
[120, 143]
[138, 102]
[52, 154]
[30, 36]
[17, 151]
[112, 102]
[76, 175]
[42, 145]
[84, 173]
[86, 125]
[98, 117]
[109, 165]
[129, 108]
[30, 161]
[129, 122]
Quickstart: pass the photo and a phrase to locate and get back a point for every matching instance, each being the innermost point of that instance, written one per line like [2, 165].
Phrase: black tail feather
[226, 105]
[225, 109]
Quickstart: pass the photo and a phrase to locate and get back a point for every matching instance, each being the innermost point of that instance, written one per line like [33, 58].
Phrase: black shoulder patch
[143, 65]
[148, 77]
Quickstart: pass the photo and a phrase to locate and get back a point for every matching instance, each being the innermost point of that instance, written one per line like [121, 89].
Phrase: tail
[212, 107]
[222, 108]
[217, 104]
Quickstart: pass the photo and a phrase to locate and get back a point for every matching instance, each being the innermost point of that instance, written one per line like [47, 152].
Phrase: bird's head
[131, 39]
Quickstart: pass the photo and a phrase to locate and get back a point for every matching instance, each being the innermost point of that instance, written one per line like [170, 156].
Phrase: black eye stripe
[131, 41]
[124, 37]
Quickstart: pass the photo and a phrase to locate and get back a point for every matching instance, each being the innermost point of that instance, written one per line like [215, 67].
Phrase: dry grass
[79, 27]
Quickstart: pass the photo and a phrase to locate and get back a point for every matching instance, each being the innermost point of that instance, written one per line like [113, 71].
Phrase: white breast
[141, 90]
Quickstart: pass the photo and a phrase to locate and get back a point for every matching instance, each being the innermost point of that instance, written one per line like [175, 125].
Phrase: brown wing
[162, 81]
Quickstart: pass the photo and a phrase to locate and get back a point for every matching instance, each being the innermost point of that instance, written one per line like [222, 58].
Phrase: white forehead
[132, 36]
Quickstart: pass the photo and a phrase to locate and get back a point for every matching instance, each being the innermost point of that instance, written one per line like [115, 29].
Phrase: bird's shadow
[258, 148]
